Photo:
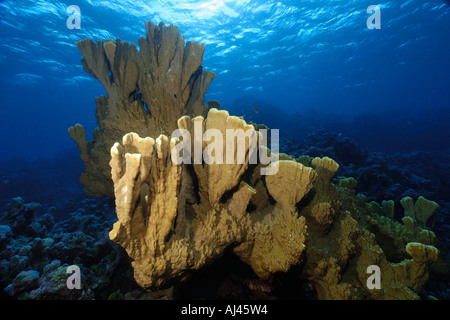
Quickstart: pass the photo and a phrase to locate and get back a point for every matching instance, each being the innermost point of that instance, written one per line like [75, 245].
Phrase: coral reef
[300, 217]
[34, 260]
[337, 261]
[173, 221]
[167, 231]
[423, 211]
[147, 91]
[176, 218]
[327, 261]
[382, 176]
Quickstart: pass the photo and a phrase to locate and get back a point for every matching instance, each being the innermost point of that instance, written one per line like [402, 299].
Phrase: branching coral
[336, 262]
[423, 211]
[177, 217]
[166, 236]
[147, 91]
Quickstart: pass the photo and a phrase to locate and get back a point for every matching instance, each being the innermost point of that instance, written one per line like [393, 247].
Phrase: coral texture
[147, 91]
[174, 217]
[337, 261]
[168, 228]
[34, 260]
[177, 218]
[423, 210]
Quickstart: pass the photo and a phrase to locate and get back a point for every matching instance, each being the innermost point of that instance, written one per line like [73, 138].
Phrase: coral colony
[234, 151]
[191, 182]
[173, 218]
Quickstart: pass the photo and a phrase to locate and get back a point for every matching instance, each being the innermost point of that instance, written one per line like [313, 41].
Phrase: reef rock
[5, 233]
[25, 281]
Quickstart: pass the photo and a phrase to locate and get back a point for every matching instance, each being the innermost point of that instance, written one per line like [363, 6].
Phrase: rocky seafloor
[48, 224]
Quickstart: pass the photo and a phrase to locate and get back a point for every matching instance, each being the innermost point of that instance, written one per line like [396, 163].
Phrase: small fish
[256, 110]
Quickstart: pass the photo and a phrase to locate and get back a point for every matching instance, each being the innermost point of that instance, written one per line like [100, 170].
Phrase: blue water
[380, 98]
[294, 55]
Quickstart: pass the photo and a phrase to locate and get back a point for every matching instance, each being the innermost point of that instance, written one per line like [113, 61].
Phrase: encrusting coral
[147, 91]
[175, 217]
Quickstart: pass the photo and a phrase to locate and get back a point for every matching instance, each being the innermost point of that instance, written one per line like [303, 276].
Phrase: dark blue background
[289, 56]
